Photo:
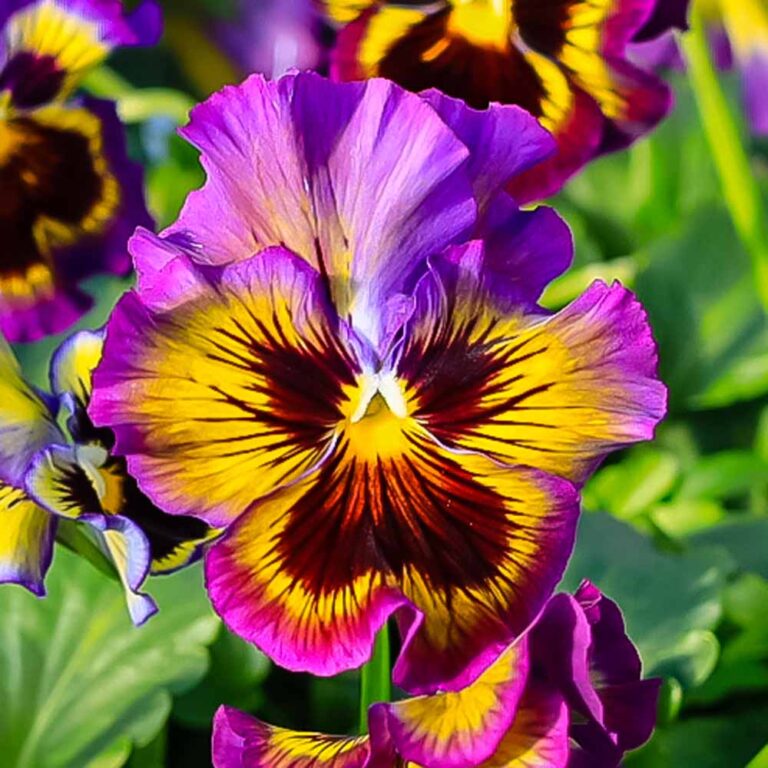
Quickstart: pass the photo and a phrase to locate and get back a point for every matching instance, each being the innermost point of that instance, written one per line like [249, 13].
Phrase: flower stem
[740, 188]
[375, 678]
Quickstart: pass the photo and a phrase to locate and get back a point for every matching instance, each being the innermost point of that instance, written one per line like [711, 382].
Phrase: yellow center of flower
[376, 414]
[8, 140]
[113, 500]
[485, 23]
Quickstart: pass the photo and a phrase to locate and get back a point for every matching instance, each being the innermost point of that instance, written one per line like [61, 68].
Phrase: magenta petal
[457, 729]
[242, 741]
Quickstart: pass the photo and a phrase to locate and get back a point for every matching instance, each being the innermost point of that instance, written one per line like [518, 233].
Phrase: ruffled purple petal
[503, 141]
[362, 180]
[523, 251]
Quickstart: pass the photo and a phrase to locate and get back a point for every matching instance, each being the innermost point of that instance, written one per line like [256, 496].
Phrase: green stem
[135, 105]
[375, 678]
[740, 188]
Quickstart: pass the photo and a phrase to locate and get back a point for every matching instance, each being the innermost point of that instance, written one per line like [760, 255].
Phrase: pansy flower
[69, 196]
[45, 477]
[569, 692]
[272, 37]
[562, 60]
[738, 30]
[322, 357]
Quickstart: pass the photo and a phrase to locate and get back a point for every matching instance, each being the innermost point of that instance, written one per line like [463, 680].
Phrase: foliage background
[676, 531]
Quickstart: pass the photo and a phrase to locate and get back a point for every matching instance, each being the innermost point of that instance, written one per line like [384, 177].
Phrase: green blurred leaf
[137, 104]
[761, 761]
[644, 476]
[169, 183]
[670, 701]
[725, 475]
[693, 660]
[745, 538]
[682, 517]
[728, 741]
[234, 677]
[671, 602]
[706, 315]
[730, 679]
[574, 282]
[78, 683]
[745, 600]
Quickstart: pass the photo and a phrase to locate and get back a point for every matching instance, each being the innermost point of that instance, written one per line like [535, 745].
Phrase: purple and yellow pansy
[564, 61]
[569, 692]
[337, 355]
[45, 477]
[69, 196]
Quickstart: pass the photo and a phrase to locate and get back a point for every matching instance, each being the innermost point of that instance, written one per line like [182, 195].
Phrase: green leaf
[682, 517]
[671, 602]
[234, 678]
[761, 761]
[169, 183]
[706, 314]
[725, 475]
[730, 678]
[645, 476]
[78, 683]
[137, 104]
[745, 538]
[745, 601]
[728, 741]
[693, 660]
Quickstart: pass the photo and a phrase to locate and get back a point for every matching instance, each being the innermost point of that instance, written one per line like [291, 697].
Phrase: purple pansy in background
[336, 354]
[569, 692]
[69, 196]
[46, 477]
[738, 31]
[563, 61]
[273, 36]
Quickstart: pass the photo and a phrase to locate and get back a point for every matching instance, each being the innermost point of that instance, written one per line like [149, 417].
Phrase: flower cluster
[48, 475]
[565, 62]
[336, 355]
[333, 377]
[566, 693]
[69, 197]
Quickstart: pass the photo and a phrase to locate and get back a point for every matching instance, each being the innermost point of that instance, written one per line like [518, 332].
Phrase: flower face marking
[371, 405]
[564, 62]
[69, 197]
